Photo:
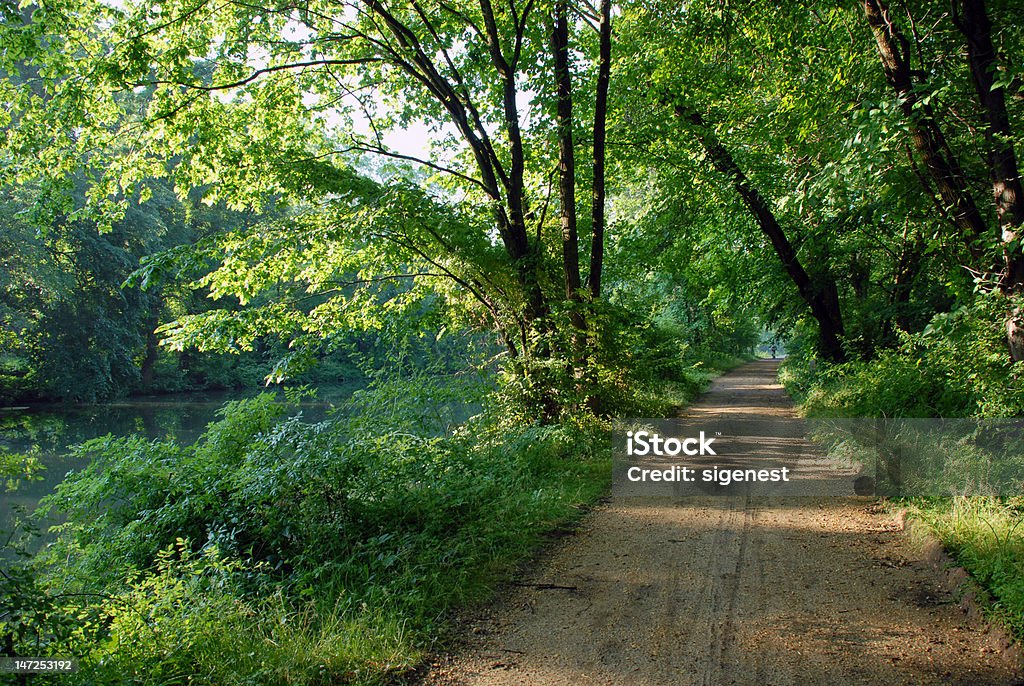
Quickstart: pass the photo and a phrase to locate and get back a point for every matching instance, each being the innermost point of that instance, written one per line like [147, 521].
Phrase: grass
[670, 396]
[986, 537]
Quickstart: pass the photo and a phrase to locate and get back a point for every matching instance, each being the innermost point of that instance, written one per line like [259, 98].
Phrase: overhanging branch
[260, 72]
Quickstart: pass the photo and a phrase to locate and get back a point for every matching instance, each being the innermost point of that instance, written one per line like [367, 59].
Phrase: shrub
[957, 367]
[278, 551]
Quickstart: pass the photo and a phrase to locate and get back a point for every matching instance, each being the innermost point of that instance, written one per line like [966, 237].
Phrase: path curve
[730, 590]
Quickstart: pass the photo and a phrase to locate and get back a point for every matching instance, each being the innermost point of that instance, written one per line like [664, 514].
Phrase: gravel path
[730, 590]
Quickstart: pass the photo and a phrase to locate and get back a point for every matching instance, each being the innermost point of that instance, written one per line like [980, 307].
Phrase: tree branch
[356, 146]
[260, 72]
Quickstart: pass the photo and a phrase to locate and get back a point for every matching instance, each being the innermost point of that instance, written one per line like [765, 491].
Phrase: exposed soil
[731, 590]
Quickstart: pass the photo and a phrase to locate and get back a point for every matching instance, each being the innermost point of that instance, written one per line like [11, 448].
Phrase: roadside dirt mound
[731, 590]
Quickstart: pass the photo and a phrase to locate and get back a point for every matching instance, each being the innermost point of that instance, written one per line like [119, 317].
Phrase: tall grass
[986, 537]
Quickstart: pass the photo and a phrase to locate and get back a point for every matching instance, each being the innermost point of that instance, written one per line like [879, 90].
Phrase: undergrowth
[274, 551]
[277, 551]
[985, 536]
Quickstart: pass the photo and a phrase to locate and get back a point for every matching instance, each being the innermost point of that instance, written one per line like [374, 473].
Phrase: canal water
[53, 428]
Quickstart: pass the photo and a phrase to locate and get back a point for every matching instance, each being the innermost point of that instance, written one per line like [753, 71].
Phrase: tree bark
[971, 18]
[604, 61]
[907, 269]
[147, 370]
[566, 155]
[925, 132]
[822, 297]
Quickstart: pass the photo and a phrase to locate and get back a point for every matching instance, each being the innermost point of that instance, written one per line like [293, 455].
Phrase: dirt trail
[731, 590]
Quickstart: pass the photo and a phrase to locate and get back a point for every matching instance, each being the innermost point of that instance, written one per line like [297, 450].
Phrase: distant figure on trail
[773, 349]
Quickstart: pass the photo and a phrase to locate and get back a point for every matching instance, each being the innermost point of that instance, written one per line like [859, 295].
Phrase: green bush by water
[279, 552]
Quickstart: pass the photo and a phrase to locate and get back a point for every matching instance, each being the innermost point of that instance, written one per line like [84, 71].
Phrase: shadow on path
[731, 590]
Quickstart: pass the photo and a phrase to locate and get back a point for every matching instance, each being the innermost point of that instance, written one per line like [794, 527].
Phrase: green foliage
[71, 330]
[277, 551]
[630, 355]
[956, 367]
[186, 620]
[54, 343]
[18, 467]
[422, 403]
[31, 613]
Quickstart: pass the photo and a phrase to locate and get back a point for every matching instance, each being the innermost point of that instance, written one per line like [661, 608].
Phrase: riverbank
[273, 550]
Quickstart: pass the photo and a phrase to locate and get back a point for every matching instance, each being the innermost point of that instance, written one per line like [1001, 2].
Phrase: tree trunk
[925, 132]
[566, 156]
[148, 366]
[525, 256]
[822, 297]
[972, 20]
[907, 270]
[604, 62]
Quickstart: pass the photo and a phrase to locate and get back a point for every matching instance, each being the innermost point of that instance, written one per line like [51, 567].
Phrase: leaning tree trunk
[822, 298]
[925, 133]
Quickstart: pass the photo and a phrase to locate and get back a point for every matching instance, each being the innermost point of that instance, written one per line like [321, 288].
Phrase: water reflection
[53, 428]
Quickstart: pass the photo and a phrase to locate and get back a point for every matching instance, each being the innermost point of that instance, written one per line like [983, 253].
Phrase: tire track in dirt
[730, 590]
